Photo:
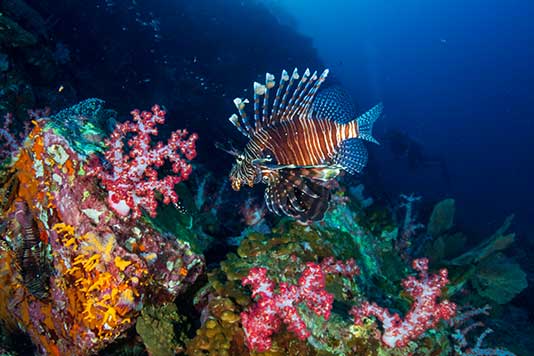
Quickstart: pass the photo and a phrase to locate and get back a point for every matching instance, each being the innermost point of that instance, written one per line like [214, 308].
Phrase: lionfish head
[243, 172]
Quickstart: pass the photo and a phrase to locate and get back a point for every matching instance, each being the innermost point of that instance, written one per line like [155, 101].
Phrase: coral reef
[265, 318]
[424, 314]
[133, 181]
[74, 274]
[78, 274]
[157, 324]
[275, 265]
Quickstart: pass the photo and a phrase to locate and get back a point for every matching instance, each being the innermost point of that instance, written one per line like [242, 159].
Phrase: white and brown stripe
[301, 141]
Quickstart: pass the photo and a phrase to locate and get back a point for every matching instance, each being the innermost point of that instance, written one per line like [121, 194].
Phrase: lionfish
[31, 254]
[301, 143]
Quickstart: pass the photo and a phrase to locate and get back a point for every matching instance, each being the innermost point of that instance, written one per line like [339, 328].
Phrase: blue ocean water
[455, 78]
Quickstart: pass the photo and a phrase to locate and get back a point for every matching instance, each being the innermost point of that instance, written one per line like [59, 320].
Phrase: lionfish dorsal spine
[300, 104]
[259, 90]
[308, 100]
[296, 92]
[274, 112]
[243, 126]
[269, 84]
[293, 102]
[234, 119]
[292, 78]
[304, 94]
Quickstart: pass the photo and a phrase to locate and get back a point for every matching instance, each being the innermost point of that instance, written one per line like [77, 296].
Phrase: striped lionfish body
[300, 143]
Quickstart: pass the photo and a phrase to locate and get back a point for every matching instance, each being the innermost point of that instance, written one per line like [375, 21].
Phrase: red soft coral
[133, 180]
[424, 314]
[264, 318]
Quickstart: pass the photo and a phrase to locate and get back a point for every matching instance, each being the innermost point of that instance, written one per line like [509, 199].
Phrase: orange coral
[96, 286]
[100, 301]
[97, 300]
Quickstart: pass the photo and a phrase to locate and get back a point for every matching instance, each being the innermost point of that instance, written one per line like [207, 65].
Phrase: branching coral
[424, 314]
[266, 317]
[132, 183]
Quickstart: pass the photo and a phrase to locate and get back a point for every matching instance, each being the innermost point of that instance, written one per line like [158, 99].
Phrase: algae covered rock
[162, 329]
[76, 275]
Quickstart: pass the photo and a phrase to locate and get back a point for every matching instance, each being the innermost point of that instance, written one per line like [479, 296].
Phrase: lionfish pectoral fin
[321, 172]
[296, 193]
[366, 121]
[352, 155]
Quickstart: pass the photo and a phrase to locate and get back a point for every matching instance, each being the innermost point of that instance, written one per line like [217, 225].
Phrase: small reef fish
[300, 143]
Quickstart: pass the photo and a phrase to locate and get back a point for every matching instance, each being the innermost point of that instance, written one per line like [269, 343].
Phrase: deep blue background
[457, 76]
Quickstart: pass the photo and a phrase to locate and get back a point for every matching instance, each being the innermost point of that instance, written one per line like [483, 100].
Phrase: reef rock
[74, 275]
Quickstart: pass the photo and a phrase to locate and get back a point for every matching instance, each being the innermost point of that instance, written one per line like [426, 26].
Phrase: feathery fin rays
[297, 194]
[295, 101]
[312, 135]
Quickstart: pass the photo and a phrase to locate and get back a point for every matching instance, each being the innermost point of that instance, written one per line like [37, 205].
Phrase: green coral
[13, 35]
[445, 247]
[499, 279]
[178, 223]
[442, 218]
[343, 219]
[497, 242]
[162, 329]
[493, 276]
[83, 125]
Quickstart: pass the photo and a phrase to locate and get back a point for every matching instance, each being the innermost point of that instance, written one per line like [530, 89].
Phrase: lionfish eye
[240, 158]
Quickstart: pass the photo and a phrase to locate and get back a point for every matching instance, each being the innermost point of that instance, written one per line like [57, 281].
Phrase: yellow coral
[100, 300]
[62, 228]
[96, 302]
[121, 264]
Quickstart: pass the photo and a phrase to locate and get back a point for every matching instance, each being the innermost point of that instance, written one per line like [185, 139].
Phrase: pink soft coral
[133, 181]
[424, 314]
[264, 318]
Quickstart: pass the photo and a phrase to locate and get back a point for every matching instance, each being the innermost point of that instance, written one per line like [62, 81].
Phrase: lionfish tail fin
[293, 96]
[300, 193]
[366, 122]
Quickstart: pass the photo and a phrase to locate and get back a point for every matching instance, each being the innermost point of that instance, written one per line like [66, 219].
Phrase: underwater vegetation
[86, 257]
[89, 255]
